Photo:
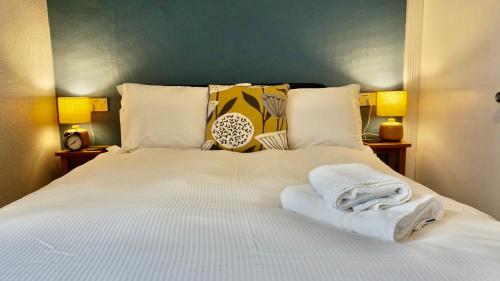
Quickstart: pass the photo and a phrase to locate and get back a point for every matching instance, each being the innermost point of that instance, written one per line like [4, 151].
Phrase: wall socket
[367, 99]
[99, 104]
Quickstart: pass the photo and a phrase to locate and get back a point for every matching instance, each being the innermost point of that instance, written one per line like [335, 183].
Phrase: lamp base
[391, 130]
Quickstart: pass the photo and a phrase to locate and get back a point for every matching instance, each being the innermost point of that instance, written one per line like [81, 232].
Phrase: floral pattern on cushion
[246, 118]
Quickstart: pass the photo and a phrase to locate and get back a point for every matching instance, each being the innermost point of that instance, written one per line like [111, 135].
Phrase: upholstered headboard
[292, 85]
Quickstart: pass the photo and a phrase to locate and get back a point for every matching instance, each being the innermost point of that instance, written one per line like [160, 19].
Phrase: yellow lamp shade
[392, 103]
[74, 110]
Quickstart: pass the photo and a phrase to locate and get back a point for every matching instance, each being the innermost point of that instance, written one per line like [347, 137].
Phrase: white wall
[28, 123]
[458, 151]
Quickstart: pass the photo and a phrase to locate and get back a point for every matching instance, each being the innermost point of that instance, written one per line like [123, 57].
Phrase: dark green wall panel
[101, 43]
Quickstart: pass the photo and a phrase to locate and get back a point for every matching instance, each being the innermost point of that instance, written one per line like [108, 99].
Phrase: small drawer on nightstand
[73, 159]
[391, 153]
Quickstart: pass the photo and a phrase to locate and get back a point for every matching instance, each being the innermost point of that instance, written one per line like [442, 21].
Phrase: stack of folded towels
[362, 200]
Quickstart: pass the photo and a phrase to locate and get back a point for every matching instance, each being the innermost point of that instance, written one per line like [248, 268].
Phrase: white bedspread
[159, 214]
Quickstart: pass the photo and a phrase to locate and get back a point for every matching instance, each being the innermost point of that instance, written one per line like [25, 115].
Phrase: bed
[164, 214]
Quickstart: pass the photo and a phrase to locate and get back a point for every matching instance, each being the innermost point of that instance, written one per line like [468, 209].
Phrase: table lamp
[391, 104]
[74, 111]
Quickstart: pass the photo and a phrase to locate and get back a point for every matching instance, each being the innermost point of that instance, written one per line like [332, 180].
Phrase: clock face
[74, 142]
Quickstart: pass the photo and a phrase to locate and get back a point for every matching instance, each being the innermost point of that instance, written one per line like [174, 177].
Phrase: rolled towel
[358, 187]
[393, 224]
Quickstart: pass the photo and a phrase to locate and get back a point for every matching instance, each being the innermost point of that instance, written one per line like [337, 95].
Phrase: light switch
[99, 104]
[367, 99]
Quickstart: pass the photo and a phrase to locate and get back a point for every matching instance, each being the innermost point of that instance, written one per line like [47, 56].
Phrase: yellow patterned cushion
[246, 118]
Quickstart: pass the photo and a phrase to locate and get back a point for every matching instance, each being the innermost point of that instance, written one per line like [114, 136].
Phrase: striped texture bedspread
[160, 214]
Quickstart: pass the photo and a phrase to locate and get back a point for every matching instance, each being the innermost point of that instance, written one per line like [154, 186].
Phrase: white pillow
[162, 116]
[324, 116]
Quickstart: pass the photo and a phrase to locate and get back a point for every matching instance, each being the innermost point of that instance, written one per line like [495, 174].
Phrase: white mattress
[159, 214]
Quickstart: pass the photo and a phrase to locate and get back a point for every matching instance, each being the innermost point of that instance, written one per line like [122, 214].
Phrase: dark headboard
[292, 85]
[305, 85]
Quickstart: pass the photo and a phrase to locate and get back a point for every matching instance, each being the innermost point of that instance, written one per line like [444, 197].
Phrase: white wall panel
[458, 151]
[28, 120]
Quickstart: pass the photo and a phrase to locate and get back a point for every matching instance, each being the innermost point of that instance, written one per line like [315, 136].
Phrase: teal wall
[98, 44]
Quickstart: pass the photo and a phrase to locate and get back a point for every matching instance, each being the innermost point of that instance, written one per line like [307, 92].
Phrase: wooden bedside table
[391, 153]
[73, 159]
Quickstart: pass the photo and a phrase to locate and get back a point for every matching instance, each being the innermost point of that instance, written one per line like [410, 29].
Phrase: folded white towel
[358, 187]
[394, 224]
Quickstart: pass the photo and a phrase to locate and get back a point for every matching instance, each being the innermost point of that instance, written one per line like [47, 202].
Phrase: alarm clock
[76, 139]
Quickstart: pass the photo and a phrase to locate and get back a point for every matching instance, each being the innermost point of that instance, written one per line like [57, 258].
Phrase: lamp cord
[92, 131]
[368, 124]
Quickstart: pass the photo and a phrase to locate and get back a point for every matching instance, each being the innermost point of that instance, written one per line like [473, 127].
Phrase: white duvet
[159, 214]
